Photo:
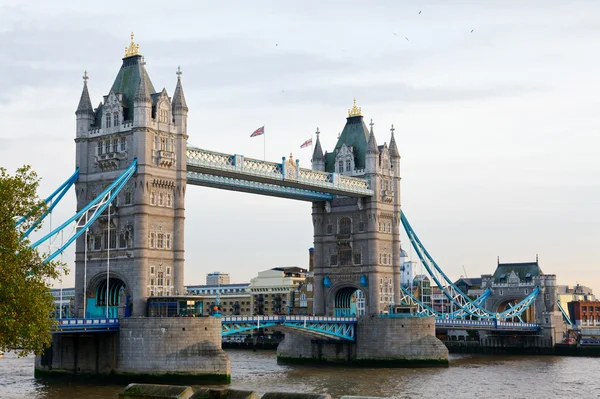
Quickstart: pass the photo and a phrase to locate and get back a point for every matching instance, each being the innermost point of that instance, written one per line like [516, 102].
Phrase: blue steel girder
[342, 328]
[284, 174]
[253, 187]
[485, 325]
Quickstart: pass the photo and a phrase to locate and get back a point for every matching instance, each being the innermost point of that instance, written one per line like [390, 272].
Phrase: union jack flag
[258, 132]
[306, 143]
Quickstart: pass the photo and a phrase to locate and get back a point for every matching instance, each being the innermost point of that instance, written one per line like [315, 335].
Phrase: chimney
[311, 259]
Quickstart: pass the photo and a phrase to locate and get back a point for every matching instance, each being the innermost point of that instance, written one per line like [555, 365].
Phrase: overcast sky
[495, 103]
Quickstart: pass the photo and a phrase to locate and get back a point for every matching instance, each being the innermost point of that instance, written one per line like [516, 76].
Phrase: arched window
[345, 225]
[107, 120]
[116, 119]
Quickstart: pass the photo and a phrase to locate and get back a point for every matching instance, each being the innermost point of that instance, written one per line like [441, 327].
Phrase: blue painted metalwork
[565, 314]
[364, 280]
[332, 327]
[452, 292]
[327, 282]
[230, 183]
[242, 170]
[427, 311]
[87, 325]
[85, 217]
[51, 202]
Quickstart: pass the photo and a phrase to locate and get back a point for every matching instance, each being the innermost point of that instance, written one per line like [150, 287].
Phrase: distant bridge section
[458, 324]
[286, 179]
[341, 328]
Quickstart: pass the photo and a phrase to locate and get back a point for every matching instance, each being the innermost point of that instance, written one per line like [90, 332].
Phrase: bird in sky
[472, 30]
[419, 12]
[395, 34]
[406, 38]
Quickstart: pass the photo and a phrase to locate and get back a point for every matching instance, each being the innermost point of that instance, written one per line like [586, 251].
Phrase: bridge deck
[236, 172]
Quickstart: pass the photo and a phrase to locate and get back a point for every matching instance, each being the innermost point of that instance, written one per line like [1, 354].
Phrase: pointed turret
[372, 143]
[393, 147]
[318, 160]
[142, 95]
[85, 112]
[142, 102]
[85, 104]
[178, 97]
[179, 106]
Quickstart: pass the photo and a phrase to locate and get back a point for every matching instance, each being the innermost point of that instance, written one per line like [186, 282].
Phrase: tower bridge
[133, 168]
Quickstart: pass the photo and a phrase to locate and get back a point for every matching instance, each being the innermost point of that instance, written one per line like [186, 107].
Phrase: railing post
[282, 168]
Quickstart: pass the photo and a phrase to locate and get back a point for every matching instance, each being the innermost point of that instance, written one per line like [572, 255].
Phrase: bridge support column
[380, 342]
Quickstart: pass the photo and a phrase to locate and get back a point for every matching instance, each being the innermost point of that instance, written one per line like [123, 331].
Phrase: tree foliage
[26, 303]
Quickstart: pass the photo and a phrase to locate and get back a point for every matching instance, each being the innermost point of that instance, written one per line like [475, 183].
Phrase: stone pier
[380, 342]
[175, 350]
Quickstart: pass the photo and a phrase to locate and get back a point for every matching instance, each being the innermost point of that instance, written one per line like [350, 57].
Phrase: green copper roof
[523, 270]
[128, 78]
[355, 133]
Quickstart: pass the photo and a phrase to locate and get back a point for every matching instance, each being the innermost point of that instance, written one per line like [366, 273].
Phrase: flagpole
[264, 145]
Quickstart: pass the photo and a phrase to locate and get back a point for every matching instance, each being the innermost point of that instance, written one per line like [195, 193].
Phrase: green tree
[26, 303]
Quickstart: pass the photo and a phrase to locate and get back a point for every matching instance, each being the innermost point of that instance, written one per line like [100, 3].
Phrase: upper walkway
[285, 179]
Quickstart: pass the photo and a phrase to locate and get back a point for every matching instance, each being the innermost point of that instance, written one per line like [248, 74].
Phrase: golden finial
[133, 49]
[291, 161]
[355, 111]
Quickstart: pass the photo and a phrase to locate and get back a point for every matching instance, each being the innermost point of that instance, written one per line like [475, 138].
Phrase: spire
[318, 152]
[85, 105]
[142, 94]
[178, 97]
[393, 147]
[372, 143]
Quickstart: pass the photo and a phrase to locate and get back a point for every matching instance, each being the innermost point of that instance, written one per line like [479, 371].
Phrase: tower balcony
[110, 161]
[387, 195]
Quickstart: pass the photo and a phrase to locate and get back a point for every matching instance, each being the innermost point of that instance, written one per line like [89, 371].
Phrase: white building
[272, 291]
[217, 278]
[407, 270]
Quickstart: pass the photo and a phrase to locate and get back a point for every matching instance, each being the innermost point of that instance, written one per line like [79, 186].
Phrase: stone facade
[187, 346]
[146, 230]
[357, 242]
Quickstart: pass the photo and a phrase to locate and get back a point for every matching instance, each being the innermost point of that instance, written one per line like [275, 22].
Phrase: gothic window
[161, 199]
[153, 198]
[168, 242]
[123, 143]
[348, 168]
[168, 282]
[329, 229]
[172, 144]
[357, 258]
[116, 119]
[163, 144]
[159, 278]
[168, 272]
[107, 146]
[115, 145]
[122, 240]
[152, 271]
[156, 141]
[99, 148]
[333, 260]
[160, 240]
[345, 225]
[97, 243]
[127, 197]
[164, 115]
[110, 238]
[309, 287]
[152, 240]
[341, 166]
[345, 257]
[361, 227]
[107, 120]
[169, 200]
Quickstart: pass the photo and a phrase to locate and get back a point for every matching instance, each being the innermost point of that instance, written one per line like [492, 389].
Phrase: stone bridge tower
[357, 242]
[144, 241]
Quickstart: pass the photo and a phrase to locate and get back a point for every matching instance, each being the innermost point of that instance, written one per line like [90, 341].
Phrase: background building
[67, 302]
[217, 278]
[272, 291]
[231, 299]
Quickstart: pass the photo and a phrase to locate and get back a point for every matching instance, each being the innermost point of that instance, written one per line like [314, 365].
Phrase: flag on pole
[258, 132]
[306, 143]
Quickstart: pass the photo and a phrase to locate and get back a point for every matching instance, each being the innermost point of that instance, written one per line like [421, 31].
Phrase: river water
[468, 376]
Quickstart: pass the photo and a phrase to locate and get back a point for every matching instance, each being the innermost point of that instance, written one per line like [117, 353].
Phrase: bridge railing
[284, 171]
[81, 324]
[485, 323]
